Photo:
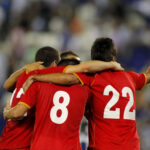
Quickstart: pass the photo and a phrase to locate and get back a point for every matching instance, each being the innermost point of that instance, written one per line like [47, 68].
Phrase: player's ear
[53, 64]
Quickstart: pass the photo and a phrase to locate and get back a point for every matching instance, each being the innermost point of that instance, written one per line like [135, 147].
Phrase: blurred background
[26, 25]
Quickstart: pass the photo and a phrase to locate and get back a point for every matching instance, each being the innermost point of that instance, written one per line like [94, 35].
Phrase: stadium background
[26, 25]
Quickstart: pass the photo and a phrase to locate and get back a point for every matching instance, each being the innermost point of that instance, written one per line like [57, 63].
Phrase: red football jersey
[59, 110]
[17, 134]
[112, 121]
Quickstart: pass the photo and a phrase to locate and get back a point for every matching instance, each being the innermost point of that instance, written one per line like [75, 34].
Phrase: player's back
[17, 134]
[59, 110]
[113, 120]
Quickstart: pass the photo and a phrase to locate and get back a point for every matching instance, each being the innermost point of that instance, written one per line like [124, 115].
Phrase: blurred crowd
[26, 25]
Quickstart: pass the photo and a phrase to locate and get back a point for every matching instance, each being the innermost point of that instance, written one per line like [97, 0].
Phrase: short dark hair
[65, 62]
[47, 55]
[63, 55]
[103, 49]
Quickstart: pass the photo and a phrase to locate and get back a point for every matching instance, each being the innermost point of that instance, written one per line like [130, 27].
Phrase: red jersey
[17, 134]
[59, 110]
[112, 122]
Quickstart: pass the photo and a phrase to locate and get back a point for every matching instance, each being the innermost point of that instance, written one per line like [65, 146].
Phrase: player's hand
[6, 109]
[33, 66]
[117, 66]
[28, 83]
[148, 74]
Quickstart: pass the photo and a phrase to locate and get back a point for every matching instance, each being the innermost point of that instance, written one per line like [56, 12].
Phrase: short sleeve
[139, 79]
[84, 78]
[29, 98]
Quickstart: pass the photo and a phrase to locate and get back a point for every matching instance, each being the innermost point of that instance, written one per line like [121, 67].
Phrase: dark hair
[63, 55]
[103, 49]
[47, 55]
[65, 62]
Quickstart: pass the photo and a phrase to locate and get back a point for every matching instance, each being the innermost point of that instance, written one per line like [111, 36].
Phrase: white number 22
[115, 114]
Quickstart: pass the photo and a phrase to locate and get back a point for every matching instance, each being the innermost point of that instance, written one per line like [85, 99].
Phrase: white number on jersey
[60, 106]
[18, 96]
[115, 114]
[11, 99]
[127, 114]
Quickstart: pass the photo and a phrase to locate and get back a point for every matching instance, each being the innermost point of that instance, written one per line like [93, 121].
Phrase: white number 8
[60, 106]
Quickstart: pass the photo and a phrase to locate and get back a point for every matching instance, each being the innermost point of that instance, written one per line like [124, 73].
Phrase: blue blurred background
[26, 26]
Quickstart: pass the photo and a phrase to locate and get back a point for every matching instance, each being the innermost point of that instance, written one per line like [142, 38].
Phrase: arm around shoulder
[10, 83]
[94, 66]
[57, 78]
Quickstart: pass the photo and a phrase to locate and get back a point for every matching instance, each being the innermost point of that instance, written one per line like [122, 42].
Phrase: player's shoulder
[52, 70]
[135, 75]
[38, 83]
[36, 86]
[128, 74]
[22, 75]
[132, 73]
[109, 74]
[27, 74]
[43, 85]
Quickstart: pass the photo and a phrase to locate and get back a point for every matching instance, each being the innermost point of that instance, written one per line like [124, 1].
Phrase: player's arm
[16, 112]
[58, 78]
[148, 75]
[10, 83]
[69, 79]
[27, 101]
[55, 78]
[140, 79]
[94, 66]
